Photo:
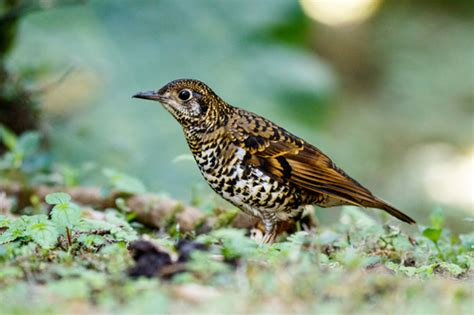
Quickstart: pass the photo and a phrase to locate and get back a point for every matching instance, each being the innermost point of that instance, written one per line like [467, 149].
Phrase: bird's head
[191, 102]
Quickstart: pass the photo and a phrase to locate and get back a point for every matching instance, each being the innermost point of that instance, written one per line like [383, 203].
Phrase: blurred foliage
[112, 61]
[23, 163]
[19, 108]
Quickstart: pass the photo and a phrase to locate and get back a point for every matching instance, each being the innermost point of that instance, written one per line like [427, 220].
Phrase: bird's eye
[185, 95]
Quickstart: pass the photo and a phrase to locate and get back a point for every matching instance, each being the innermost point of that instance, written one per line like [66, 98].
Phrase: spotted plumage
[255, 164]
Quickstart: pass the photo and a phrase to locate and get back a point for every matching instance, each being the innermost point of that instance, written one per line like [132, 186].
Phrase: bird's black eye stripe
[185, 95]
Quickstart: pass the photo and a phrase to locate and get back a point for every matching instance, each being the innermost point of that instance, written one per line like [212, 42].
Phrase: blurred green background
[386, 88]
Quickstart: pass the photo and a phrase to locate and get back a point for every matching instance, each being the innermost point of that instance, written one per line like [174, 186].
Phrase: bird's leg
[270, 230]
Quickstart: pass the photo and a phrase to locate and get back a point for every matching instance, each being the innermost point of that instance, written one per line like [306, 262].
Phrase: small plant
[65, 222]
[65, 214]
[124, 183]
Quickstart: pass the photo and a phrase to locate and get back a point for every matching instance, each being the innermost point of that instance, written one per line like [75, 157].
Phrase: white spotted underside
[245, 186]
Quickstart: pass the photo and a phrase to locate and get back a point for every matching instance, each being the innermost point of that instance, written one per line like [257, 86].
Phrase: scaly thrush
[256, 165]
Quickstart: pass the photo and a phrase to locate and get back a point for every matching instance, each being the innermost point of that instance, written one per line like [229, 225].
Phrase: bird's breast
[247, 187]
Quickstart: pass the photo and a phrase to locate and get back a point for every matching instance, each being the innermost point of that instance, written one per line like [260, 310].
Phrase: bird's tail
[380, 204]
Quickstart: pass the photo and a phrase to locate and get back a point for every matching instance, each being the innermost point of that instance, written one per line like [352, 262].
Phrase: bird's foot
[270, 230]
[269, 238]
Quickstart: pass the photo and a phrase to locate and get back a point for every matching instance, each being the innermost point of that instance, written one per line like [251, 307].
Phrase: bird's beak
[149, 95]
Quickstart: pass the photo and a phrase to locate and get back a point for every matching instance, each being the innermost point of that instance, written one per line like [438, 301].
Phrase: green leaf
[235, 243]
[8, 137]
[7, 237]
[370, 260]
[123, 182]
[16, 229]
[122, 231]
[437, 218]
[122, 205]
[432, 234]
[65, 215]
[10, 160]
[4, 221]
[89, 225]
[91, 240]
[57, 198]
[42, 231]
[401, 243]
[299, 238]
[467, 241]
[28, 143]
[451, 268]
[350, 257]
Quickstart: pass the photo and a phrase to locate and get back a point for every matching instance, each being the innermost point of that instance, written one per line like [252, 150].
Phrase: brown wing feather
[285, 156]
[314, 171]
[281, 154]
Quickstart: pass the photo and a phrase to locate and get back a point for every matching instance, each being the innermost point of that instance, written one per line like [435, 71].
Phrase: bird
[256, 165]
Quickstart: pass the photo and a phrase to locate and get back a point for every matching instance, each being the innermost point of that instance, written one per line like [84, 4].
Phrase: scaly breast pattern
[223, 166]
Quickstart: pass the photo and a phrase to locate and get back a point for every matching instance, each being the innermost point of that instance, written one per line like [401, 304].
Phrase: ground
[77, 260]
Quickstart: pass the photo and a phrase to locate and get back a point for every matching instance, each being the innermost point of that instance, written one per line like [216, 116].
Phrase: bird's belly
[254, 192]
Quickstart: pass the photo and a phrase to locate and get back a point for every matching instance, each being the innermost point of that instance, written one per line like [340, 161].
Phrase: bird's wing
[284, 156]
